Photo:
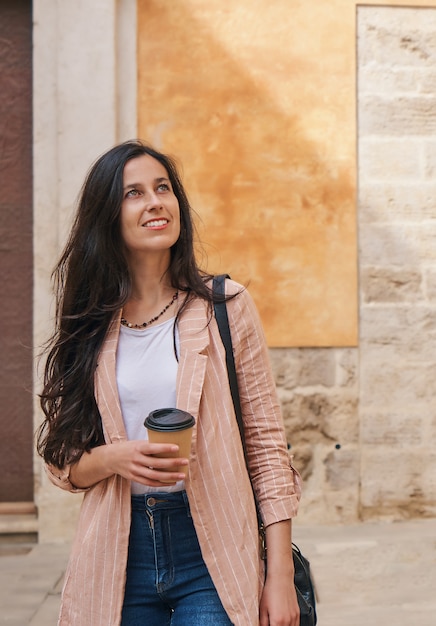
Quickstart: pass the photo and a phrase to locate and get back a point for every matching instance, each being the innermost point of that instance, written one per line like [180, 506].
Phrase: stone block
[427, 80]
[342, 468]
[430, 159]
[391, 428]
[429, 433]
[399, 480]
[347, 367]
[402, 331]
[303, 416]
[375, 79]
[390, 159]
[395, 385]
[380, 357]
[316, 417]
[402, 202]
[396, 36]
[303, 367]
[384, 285]
[386, 116]
[430, 283]
[341, 424]
[391, 244]
[285, 363]
[317, 367]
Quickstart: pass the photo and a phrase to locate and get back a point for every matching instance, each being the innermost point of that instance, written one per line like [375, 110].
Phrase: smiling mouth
[155, 223]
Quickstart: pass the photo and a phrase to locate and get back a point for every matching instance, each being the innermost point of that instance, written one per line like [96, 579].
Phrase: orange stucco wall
[257, 101]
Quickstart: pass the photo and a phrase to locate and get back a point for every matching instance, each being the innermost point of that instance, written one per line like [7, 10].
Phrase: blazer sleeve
[61, 478]
[277, 485]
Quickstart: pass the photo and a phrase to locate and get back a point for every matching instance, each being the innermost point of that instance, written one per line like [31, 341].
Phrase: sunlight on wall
[257, 101]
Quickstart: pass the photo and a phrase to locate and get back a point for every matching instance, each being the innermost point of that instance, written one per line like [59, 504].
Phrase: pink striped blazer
[218, 487]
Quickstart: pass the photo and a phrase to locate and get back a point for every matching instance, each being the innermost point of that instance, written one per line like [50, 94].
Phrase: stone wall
[397, 258]
[318, 390]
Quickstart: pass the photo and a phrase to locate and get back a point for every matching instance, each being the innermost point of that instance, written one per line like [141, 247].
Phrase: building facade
[352, 121]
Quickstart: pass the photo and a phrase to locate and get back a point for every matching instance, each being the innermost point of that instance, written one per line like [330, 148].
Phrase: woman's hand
[134, 460]
[137, 460]
[279, 604]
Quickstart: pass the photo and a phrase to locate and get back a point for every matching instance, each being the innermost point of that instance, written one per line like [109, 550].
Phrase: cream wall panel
[84, 69]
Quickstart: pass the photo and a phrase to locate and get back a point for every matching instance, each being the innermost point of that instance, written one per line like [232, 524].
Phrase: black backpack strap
[306, 592]
[222, 319]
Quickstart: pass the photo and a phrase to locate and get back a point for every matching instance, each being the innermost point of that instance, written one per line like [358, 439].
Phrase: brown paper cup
[171, 426]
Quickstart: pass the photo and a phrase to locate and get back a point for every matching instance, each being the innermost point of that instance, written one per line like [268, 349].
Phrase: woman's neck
[150, 276]
[152, 297]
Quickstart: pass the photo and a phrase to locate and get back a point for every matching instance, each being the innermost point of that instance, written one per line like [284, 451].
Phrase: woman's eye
[132, 193]
[163, 187]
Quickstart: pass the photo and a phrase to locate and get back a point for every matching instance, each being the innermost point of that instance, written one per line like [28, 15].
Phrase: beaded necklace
[124, 322]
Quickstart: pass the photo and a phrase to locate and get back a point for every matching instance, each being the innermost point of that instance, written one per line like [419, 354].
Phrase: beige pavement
[377, 574]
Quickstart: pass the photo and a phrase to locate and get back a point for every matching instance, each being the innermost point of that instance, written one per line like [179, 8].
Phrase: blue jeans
[167, 579]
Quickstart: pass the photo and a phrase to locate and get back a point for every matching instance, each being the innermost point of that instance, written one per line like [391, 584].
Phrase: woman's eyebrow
[161, 179]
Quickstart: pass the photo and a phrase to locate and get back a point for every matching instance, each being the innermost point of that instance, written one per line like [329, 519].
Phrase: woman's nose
[152, 201]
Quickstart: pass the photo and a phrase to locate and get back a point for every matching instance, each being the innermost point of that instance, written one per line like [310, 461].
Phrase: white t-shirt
[146, 369]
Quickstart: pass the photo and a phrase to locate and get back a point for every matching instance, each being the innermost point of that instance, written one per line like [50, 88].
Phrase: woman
[135, 332]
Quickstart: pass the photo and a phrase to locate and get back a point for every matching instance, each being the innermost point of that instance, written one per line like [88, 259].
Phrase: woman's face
[150, 214]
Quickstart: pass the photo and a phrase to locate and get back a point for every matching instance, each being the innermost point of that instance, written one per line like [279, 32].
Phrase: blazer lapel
[194, 340]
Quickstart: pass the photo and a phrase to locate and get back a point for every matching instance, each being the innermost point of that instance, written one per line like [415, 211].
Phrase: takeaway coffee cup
[171, 426]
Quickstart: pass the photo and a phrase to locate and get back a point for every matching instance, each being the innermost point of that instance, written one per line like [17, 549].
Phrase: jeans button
[151, 501]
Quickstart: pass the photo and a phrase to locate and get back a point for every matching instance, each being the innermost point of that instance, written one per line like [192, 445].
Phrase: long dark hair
[92, 282]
